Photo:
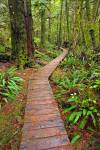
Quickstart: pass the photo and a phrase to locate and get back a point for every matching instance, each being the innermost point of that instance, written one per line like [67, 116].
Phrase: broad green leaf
[73, 99]
[77, 116]
[89, 113]
[84, 112]
[94, 120]
[69, 109]
[75, 139]
[72, 116]
[83, 123]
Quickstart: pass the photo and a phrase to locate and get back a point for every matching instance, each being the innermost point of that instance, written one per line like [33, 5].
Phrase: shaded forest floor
[82, 144]
[11, 115]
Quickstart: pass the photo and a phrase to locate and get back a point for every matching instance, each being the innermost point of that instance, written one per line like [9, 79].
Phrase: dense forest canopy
[75, 21]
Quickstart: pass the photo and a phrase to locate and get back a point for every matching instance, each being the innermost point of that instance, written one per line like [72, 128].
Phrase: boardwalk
[43, 127]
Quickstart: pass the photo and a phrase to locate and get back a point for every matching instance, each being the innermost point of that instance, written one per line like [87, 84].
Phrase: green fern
[10, 85]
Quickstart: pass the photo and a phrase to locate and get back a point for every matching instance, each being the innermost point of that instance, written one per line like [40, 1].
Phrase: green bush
[67, 81]
[96, 84]
[2, 49]
[10, 85]
[82, 111]
[42, 56]
[69, 61]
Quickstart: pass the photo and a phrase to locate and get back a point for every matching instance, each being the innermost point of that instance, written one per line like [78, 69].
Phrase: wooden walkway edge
[43, 127]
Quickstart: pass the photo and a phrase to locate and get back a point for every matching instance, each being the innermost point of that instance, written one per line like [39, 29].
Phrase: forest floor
[11, 116]
[83, 142]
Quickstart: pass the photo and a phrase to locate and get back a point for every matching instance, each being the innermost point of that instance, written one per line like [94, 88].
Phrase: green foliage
[42, 56]
[75, 138]
[96, 84]
[37, 41]
[78, 95]
[74, 79]
[82, 111]
[69, 61]
[64, 82]
[2, 49]
[10, 85]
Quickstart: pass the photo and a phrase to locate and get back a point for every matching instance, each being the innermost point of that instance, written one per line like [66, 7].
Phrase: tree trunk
[14, 28]
[60, 26]
[99, 30]
[18, 32]
[67, 20]
[21, 30]
[28, 23]
[43, 26]
[75, 32]
[92, 34]
[49, 22]
[90, 23]
[81, 24]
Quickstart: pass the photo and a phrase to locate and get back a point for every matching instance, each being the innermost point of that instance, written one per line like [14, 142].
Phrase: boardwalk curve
[43, 127]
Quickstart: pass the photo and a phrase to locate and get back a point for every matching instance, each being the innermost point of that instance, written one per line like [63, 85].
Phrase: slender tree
[49, 22]
[43, 25]
[28, 24]
[60, 24]
[67, 19]
[81, 12]
[90, 23]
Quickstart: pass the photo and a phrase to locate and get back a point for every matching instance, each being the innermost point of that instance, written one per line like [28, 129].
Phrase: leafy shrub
[42, 56]
[95, 79]
[75, 138]
[69, 61]
[10, 85]
[96, 84]
[2, 49]
[82, 111]
[37, 41]
[50, 46]
[52, 53]
[66, 81]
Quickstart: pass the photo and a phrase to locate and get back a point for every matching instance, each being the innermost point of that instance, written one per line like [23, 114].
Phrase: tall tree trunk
[92, 34]
[67, 19]
[43, 26]
[60, 25]
[57, 26]
[75, 25]
[81, 24]
[96, 6]
[14, 28]
[18, 31]
[29, 24]
[90, 22]
[49, 22]
[99, 30]
[21, 30]
[88, 10]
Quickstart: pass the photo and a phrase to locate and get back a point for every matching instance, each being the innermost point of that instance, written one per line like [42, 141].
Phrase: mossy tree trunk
[43, 26]
[21, 32]
[83, 40]
[67, 19]
[14, 27]
[28, 23]
[60, 24]
[90, 22]
[49, 22]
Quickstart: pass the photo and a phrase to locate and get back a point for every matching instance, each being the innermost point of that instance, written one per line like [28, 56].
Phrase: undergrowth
[78, 82]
